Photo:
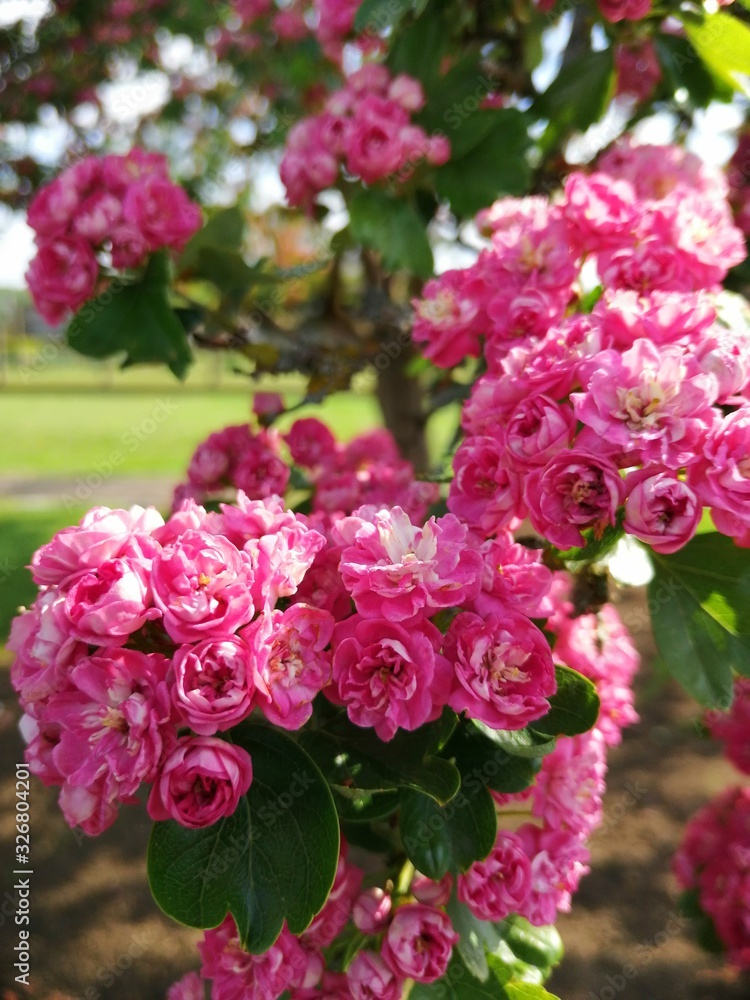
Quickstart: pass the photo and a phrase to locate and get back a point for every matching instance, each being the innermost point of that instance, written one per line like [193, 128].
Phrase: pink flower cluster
[534, 868]
[732, 728]
[713, 861]
[365, 127]
[100, 216]
[637, 409]
[406, 939]
[340, 477]
[149, 638]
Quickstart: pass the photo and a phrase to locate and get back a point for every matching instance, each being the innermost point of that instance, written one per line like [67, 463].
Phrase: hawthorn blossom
[503, 667]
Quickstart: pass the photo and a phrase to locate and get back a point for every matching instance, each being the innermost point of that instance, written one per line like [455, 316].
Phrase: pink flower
[214, 683]
[201, 584]
[558, 863]
[371, 910]
[504, 669]
[407, 92]
[200, 782]
[721, 478]
[374, 148]
[102, 534]
[486, 492]
[575, 490]
[602, 210]
[537, 430]
[162, 212]
[129, 246]
[601, 648]
[497, 886]
[120, 172]
[96, 216]
[426, 890]
[395, 570]
[663, 317]
[389, 675]
[660, 509]
[62, 277]
[448, 320]
[369, 978]
[311, 443]
[732, 728]
[334, 916]
[569, 788]
[419, 943]
[514, 578]
[238, 975]
[619, 10]
[653, 403]
[44, 648]
[115, 723]
[190, 987]
[109, 603]
[289, 653]
[714, 860]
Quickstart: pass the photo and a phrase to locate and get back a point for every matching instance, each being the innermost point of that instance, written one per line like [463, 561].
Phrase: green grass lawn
[63, 435]
[70, 434]
[21, 533]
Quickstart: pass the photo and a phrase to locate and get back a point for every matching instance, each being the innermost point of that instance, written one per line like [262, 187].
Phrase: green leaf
[699, 602]
[419, 49]
[273, 860]
[354, 806]
[574, 707]
[476, 938]
[723, 43]
[439, 838]
[496, 165]
[459, 984]
[229, 272]
[540, 947]
[223, 231]
[682, 68]
[374, 16]
[518, 742]
[528, 991]
[393, 228]
[136, 320]
[595, 548]
[355, 758]
[578, 96]
[484, 759]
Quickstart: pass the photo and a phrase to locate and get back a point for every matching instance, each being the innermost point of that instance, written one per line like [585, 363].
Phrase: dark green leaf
[459, 984]
[355, 758]
[574, 707]
[484, 759]
[578, 96]
[136, 320]
[273, 860]
[374, 16]
[495, 166]
[682, 68]
[418, 50]
[354, 806]
[518, 742]
[223, 231]
[699, 601]
[476, 938]
[229, 272]
[393, 228]
[438, 838]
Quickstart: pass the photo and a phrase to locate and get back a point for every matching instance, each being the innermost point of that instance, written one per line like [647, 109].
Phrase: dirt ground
[97, 935]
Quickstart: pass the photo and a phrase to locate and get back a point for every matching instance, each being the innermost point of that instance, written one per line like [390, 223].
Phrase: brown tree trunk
[400, 398]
